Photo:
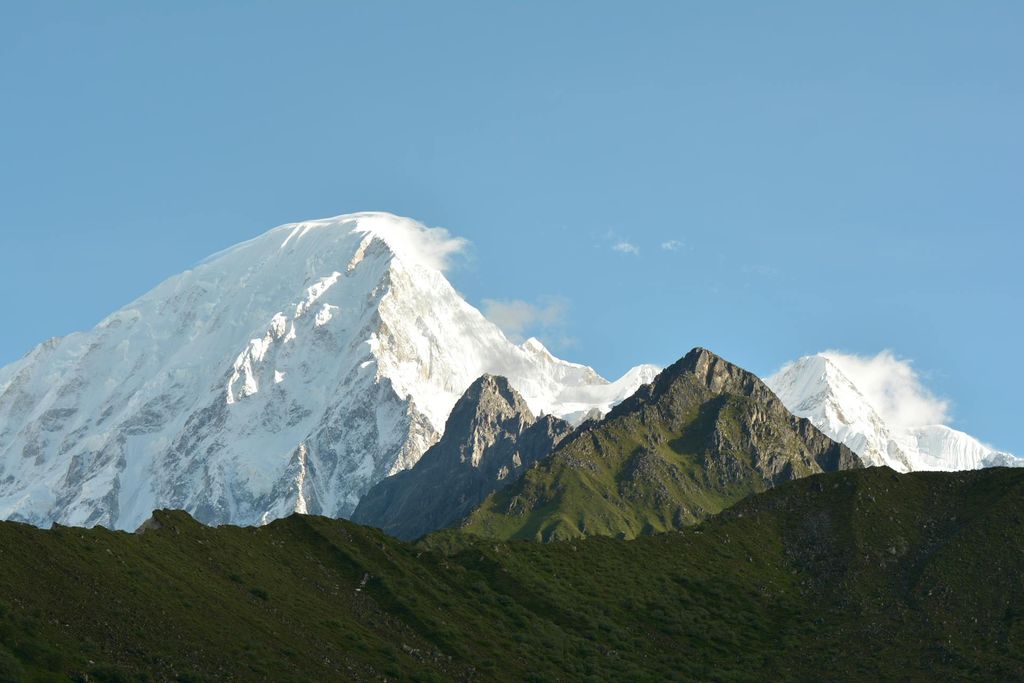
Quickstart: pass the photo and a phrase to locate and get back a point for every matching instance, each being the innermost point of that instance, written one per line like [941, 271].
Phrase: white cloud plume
[672, 245]
[414, 242]
[626, 248]
[893, 388]
[519, 319]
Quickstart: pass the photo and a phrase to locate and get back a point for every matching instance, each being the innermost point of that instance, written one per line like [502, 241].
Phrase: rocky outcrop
[490, 439]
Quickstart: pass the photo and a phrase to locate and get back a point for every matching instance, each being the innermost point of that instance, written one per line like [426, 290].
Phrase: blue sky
[821, 177]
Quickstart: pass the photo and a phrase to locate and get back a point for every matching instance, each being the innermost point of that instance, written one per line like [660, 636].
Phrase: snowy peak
[534, 346]
[814, 387]
[944, 448]
[288, 373]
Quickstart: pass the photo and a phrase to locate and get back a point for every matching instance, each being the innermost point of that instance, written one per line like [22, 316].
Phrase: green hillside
[857, 575]
[702, 436]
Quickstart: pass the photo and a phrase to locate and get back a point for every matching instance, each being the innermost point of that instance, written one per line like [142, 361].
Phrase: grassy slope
[861, 575]
[635, 475]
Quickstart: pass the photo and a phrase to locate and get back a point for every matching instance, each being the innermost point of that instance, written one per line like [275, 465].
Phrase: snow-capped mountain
[938, 447]
[288, 373]
[814, 387]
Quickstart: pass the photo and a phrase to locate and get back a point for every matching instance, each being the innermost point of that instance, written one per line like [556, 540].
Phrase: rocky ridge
[704, 434]
[490, 439]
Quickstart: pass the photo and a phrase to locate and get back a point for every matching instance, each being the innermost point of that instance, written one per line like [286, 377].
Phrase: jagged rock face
[703, 435]
[816, 388]
[490, 439]
[287, 374]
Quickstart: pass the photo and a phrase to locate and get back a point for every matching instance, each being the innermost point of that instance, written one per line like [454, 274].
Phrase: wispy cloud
[414, 242]
[626, 248]
[520, 319]
[893, 388]
[672, 245]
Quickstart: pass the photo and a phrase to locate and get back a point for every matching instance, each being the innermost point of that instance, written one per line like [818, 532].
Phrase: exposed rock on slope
[491, 437]
[703, 435]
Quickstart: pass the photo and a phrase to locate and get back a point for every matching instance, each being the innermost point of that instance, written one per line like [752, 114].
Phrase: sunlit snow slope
[815, 388]
[288, 373]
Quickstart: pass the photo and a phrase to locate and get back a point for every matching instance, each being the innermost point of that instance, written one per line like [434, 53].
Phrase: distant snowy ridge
[815, 387]
[288, 373]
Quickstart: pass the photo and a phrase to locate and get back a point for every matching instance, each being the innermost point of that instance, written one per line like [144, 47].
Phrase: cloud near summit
[416, 243]
[893, 388]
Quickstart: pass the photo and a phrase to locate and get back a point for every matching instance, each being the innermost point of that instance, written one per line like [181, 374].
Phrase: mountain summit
[286, 374]
[491, 438]
[816, 388]
[704, 434]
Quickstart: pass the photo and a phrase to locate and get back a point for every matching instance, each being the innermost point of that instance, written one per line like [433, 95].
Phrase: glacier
[289, 373]
[815, 387]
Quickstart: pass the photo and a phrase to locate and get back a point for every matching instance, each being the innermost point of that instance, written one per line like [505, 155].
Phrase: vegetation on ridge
[704, 435]
[855, 575]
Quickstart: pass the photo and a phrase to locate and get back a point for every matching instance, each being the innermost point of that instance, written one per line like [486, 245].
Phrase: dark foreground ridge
[855, 575]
